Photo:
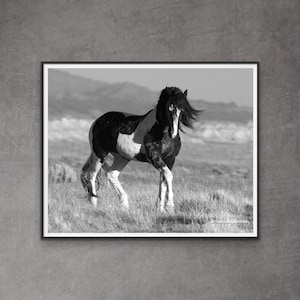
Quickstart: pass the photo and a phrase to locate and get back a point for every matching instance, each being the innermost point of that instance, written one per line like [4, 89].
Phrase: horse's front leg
[154, 156]
[168, 177]
[160, 205]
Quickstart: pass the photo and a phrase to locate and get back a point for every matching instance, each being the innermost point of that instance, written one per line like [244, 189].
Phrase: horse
[152, 138]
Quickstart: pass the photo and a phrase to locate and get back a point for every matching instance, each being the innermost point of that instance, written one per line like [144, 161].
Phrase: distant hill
[83, 98]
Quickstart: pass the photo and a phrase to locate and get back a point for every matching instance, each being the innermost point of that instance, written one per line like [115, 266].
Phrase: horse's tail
[84, 176]
[84, 173]
[87, 164]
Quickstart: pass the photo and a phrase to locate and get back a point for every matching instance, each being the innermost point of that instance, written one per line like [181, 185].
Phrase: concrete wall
[34, 31]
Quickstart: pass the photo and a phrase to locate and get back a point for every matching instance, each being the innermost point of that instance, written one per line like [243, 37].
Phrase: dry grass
[212, 193]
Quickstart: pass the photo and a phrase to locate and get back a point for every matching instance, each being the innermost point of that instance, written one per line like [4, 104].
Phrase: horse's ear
[185, 93]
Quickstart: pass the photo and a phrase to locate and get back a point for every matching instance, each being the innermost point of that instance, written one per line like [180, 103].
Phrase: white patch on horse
[175, 122]
[129, 145]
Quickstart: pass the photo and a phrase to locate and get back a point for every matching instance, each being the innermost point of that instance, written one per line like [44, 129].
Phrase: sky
[213, 85]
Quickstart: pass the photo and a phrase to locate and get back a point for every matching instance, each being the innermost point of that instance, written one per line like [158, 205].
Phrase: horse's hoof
[94, 201]
[160, 210]
[124, 206]
[169, 209]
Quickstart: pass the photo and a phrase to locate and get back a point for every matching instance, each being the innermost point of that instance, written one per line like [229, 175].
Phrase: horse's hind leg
[88, 176]
[113, 173]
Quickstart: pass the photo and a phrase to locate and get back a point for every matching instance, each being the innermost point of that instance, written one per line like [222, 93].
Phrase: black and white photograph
[150, 149]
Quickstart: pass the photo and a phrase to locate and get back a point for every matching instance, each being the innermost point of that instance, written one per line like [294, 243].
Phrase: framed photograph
[150, 149]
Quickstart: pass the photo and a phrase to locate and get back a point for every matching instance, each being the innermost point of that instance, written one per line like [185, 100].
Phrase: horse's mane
[173, 95]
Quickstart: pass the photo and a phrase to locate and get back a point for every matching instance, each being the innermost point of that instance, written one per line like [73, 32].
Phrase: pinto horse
[153, 138]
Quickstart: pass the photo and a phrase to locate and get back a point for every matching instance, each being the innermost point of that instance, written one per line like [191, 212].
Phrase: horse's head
[173, 109]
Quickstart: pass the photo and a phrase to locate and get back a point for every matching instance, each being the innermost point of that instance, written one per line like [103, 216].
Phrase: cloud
[222, 132]
[69, 129]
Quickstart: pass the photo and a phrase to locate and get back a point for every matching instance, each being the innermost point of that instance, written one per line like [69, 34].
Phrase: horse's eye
[171, 107]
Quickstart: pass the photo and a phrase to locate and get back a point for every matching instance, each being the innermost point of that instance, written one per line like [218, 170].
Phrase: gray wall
[35, 31]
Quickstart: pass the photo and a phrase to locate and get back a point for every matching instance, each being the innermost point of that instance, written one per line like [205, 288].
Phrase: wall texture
[34, 31]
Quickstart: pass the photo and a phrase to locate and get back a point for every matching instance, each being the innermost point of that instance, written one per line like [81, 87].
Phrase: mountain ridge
[84, 98]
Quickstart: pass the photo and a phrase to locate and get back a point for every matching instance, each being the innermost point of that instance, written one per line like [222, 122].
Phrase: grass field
[213, 193]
